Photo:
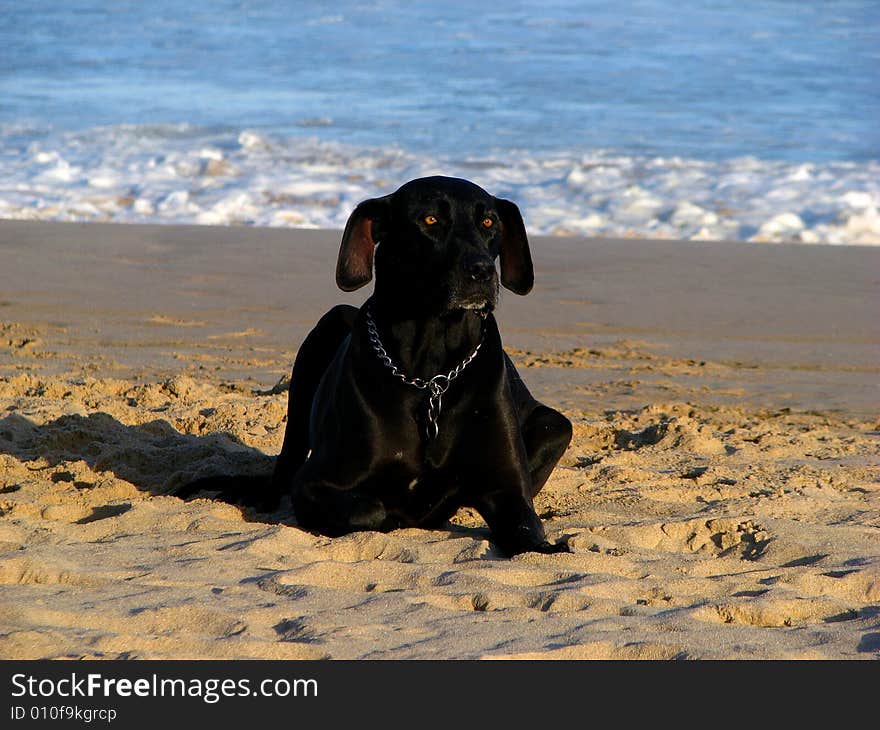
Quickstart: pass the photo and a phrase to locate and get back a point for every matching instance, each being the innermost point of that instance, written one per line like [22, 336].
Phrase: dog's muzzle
[477, 285]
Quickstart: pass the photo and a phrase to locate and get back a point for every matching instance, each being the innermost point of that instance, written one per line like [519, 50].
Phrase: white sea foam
[183, 174]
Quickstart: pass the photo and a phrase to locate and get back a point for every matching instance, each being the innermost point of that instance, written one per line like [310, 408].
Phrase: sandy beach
[720, 496]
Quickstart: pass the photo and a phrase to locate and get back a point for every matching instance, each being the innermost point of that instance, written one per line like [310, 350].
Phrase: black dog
[408, 408]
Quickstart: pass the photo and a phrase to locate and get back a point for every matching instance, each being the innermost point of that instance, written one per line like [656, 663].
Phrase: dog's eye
[430, 220]
[488, 222]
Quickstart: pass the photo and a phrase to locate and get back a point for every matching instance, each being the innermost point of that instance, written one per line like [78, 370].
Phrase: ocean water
[704, 119]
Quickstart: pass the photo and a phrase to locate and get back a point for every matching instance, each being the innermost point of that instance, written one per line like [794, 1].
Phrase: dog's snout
[479, 268]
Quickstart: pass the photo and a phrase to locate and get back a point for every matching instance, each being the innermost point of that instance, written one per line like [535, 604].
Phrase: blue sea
[702, 119]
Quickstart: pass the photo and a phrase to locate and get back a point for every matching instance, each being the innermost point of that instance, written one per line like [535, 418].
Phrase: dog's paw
[548, 548]
[554, 547]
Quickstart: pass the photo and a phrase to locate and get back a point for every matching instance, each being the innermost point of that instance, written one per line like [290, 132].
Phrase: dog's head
[435, 242]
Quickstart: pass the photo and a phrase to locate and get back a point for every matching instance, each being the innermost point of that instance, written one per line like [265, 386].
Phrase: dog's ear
[354, 268]
[517, 272]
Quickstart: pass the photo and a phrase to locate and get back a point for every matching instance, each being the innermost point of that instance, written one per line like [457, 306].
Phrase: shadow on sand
[153, 456]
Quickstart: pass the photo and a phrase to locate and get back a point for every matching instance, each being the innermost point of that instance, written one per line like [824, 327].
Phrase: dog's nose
[479, 268]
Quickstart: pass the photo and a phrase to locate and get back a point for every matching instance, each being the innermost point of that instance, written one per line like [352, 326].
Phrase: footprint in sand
[719, 537]
[297, 630]
[766, 612]
[29, 571]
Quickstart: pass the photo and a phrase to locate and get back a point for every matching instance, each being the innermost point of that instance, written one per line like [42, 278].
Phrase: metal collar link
[437, 385]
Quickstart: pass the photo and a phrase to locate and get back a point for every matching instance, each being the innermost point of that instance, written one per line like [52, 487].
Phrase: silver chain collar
[438, 385]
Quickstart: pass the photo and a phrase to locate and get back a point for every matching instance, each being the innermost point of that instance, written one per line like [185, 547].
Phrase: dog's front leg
[515, 526]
